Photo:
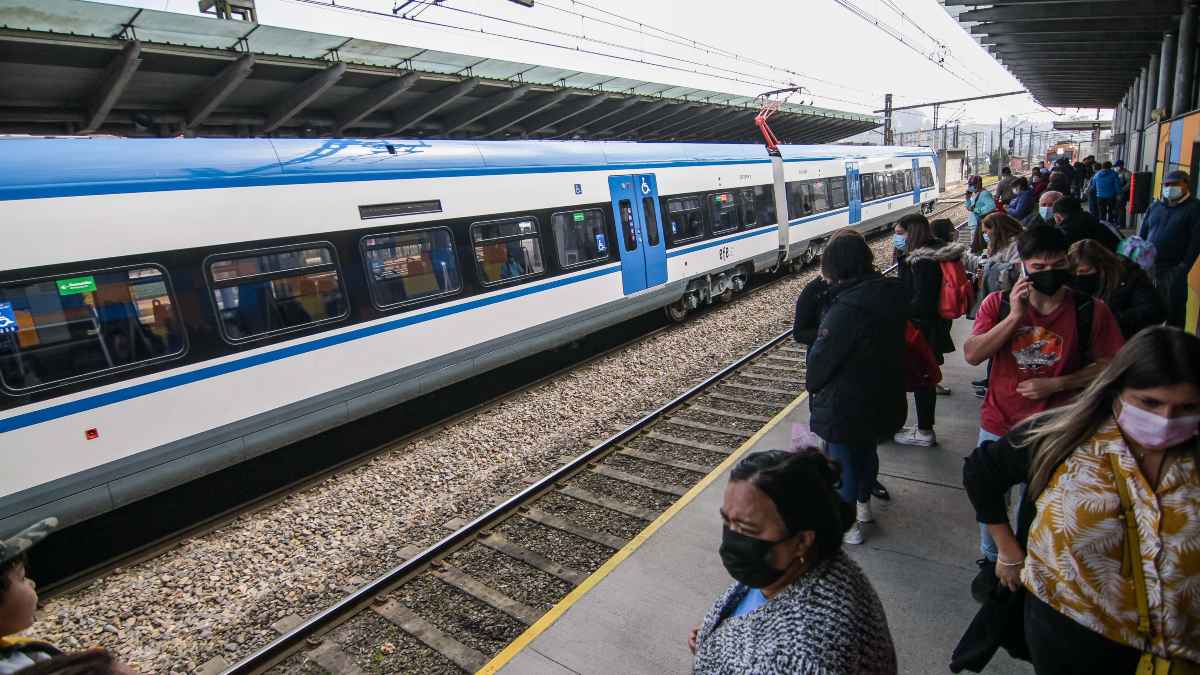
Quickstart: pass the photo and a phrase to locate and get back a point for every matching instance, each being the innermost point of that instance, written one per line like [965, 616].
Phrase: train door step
[609, 503]
[463, 656]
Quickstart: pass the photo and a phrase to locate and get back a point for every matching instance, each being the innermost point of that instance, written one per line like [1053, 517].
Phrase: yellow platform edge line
[524, 639]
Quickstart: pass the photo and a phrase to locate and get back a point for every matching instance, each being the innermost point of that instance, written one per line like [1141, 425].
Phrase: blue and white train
[169, 308]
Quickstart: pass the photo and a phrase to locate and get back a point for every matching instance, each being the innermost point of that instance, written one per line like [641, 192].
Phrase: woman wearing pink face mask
[1107, 550]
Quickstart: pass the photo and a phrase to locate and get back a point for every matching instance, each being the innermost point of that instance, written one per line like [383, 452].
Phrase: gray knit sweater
[828, 622]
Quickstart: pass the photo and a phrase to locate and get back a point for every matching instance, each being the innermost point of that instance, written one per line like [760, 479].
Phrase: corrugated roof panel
[376, 53]
[288, 42]
[548, 74]
[443, 62]
[498, 69]
[65, 16]
[587, 80]
[194, 31]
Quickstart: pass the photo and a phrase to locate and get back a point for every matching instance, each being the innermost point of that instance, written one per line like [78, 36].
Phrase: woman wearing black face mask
[799, 604]
[1120, 283]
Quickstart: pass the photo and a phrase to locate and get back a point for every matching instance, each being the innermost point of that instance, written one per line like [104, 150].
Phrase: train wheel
[726, 296]
[677, 311]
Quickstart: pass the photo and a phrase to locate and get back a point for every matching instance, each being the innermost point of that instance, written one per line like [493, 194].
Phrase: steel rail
[283, 646]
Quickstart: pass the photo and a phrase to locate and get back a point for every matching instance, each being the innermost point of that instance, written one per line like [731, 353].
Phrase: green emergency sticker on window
[76, 285]
[579, 217]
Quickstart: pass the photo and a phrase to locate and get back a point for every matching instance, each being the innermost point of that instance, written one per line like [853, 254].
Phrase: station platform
[634, 614]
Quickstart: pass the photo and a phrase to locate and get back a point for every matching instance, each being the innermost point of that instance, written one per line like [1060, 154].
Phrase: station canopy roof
[1070, 53]
[70, 66]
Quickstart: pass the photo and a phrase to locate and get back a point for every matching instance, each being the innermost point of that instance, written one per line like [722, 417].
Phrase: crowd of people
[1089, 429]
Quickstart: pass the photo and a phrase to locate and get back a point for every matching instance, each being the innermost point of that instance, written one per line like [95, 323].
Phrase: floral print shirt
[1076, 546]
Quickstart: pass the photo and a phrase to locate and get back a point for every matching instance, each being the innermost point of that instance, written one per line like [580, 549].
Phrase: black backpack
[1085, 312]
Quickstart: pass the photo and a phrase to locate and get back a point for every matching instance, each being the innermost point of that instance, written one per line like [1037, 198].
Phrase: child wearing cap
[18, 601]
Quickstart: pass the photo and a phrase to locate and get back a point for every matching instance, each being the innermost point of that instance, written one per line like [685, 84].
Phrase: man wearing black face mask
[1045, 342]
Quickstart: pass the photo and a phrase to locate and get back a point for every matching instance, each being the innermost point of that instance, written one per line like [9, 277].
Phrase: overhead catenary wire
[899, 37]
[688, 65]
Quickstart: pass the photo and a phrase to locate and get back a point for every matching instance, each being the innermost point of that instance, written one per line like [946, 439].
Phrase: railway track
[451, 607]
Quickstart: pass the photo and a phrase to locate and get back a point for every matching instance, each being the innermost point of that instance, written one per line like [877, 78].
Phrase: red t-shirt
[1042, 346]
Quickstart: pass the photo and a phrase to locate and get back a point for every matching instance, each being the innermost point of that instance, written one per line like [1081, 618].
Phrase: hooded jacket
[921, 274]
[855, 367]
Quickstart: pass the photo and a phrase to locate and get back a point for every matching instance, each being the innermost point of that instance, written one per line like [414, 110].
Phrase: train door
[916, 169]
[853, 192]
[639, 230]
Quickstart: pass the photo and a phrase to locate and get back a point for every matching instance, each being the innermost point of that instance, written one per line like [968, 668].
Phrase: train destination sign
[76, 285]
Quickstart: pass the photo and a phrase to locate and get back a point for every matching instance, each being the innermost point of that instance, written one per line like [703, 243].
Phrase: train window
[66, 328]
[837, 192]
[265, 292]
[881, 189]
[820, 196]
[764, 204]
[507, 249]
[889, 179]
[579, 237]
[686, 221]
[748, 208]
[651, 220]
[409, 266]
[800, 199]
[723, 210]
[628, 226]
[868, 187]
[926, 177]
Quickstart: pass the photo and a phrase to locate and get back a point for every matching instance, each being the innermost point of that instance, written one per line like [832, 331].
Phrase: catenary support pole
[1166, 74]
[1152, 88]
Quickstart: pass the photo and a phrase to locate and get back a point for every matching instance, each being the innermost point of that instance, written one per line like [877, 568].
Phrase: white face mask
[1172, 192]
[1046, 212]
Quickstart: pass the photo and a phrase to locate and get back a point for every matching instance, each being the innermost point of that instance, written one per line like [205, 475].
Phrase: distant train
[169, 308]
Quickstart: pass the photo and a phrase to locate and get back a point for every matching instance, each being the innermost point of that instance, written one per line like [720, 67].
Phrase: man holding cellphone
[1040, 356]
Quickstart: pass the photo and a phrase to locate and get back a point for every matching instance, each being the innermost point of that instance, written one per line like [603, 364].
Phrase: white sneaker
[915, 436]
[853, 535]
[864, 512]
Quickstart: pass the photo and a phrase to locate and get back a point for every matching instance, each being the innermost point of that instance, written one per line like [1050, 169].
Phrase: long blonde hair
[1156, 357]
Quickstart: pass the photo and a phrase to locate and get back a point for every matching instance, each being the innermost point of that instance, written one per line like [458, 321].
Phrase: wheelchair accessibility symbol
[8, 320]
[645, 187]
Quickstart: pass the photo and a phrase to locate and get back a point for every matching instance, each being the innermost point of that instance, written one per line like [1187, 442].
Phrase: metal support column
[1139, 113]
[1166, 74]
[1151, 88]
[1185, 59]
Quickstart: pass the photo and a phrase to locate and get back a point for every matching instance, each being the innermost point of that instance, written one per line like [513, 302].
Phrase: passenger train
[172, 307]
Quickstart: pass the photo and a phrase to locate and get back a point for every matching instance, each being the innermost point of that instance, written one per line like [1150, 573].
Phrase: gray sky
[846, 62]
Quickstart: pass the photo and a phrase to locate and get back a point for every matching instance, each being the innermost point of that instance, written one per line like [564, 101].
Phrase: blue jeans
[860, 470]
[987, 545]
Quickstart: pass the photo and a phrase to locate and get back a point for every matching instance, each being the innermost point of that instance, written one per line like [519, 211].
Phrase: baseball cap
[26, 539]
[1176, 176]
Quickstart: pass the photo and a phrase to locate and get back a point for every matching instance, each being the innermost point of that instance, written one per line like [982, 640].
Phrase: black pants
[1107, 207]
[926, 400]
[1060, 646]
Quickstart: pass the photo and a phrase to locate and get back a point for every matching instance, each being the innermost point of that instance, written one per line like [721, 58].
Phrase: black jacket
[855, 366]
[1083, 225]
[1033, 220]
[1135, 303]
[810, 308]
[921, 274]
[988, 474]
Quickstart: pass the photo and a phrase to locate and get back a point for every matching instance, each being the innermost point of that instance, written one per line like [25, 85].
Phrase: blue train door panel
[917, 181]
[639, 231]
[853, 192]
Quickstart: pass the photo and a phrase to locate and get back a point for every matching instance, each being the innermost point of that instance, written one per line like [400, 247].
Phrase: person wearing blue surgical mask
[1170, 226]
[1044, 215]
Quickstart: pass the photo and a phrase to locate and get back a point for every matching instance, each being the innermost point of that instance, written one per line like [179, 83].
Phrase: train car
[172, 307]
